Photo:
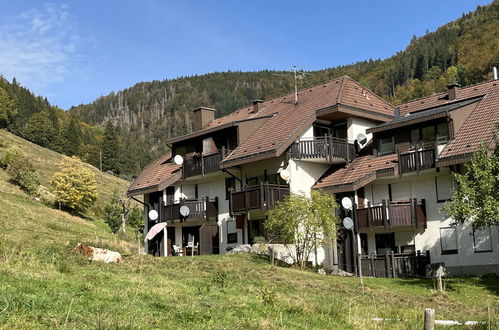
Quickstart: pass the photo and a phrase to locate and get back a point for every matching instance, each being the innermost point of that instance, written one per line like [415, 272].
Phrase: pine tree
[110, 147]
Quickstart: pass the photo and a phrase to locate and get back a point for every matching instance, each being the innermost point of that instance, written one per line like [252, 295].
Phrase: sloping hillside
[44, 284]
[46, 162]
[151, 112]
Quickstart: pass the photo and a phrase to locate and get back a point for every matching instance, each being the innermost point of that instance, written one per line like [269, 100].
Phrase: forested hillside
[139, 120]
[462, 51]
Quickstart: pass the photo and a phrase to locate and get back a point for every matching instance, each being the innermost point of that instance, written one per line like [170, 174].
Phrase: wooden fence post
[372, 265]
[387, 264]
[394, 269]
[429, 319]
[359, 261]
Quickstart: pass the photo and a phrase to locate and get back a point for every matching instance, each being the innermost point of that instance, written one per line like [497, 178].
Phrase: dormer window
[427, 136]
[386, 145]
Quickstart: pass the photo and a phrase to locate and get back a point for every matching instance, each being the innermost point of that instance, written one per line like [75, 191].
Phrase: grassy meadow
[44, 284]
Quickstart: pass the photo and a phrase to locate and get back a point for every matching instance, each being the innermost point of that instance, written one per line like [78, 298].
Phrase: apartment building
[213, 190]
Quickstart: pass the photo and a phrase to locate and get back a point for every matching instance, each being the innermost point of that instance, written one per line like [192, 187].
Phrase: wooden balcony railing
[201, 165]
[392, 214]
[417, 160]
[261, 197]
[325, 147]
[395, 264]
[201, 208]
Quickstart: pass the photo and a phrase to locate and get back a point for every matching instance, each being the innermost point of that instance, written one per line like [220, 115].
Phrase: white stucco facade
[463, 250]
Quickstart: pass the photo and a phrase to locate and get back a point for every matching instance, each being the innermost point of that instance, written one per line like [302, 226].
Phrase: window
[229, 183]
[428, 135]
[448, 240]
[442, 133]
[443, 186]
[386, 146]
[482, 240]
[415, 138]
[385, 242]
[231, 232]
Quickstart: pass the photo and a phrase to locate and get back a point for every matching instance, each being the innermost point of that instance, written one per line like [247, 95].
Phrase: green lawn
[43, 284]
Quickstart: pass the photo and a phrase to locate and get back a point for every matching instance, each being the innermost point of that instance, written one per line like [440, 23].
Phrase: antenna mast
[296, 85]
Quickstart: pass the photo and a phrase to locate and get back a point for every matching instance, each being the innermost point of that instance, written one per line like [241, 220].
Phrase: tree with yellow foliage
[75, 187]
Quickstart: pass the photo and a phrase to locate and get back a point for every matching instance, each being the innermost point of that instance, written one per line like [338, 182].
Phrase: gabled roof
[479, 127]
[360, 172]
[423, 115]
[156, 176]
[291, 119]
[442, 98]
[285, 122]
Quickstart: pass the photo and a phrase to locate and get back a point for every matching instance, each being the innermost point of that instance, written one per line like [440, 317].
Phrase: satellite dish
[184, 210]
[153, 215]
[284, 175]
[348, 223]
[361, 139]
[179, 160]
[346, 202]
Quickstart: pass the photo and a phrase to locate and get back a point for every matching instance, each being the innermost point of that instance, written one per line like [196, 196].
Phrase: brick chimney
[257, 105]
[453, 91]
[202, 117]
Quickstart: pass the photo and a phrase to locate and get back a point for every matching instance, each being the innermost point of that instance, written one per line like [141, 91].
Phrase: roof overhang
[212, 129]
[359, 183]
[439, 111]
[353, 111]
[156, 187]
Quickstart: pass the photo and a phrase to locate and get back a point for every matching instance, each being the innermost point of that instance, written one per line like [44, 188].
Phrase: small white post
[429, 319]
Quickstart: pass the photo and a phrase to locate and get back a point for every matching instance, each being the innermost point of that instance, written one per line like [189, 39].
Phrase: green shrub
[24, 174]
[13, 153]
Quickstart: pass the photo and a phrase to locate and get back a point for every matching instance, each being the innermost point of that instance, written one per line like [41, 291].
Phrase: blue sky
[75, 51]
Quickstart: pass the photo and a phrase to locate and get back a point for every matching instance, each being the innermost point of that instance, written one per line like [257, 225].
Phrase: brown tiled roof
[358, 173]
[479, 127]
[290, 120]
[286, 121]
[441, 98]
[156, 176]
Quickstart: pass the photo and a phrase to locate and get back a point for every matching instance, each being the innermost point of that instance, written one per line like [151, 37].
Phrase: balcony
[203, 164]
[416, 161]
[200, 208]
[392, 214]
[262, 197]
[326, 149]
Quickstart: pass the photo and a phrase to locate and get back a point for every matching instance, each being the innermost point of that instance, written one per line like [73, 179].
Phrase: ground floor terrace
[399, 224]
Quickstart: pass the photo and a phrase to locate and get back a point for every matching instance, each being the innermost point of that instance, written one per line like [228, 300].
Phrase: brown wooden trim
[157, 187]
[454, 160]
[351, 110]
[213, 129]
[406, 123]
[359, 183]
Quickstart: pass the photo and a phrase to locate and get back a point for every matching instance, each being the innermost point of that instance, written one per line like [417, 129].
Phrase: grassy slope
[43, 284]
[46, 161]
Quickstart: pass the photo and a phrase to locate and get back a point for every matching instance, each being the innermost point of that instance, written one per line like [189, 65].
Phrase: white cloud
[38, 46]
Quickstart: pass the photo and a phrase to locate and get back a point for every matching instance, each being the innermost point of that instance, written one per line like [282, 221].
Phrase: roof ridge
[444, 93]
[289, 94]
[369, 90]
